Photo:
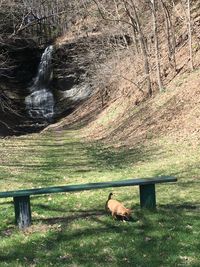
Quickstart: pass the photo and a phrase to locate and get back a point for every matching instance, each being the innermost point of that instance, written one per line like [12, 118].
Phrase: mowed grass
[73, 229]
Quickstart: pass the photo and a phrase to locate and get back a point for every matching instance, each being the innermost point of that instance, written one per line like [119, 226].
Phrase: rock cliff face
[21, 57]
[68, 80]
[74, 70]
[72, 63]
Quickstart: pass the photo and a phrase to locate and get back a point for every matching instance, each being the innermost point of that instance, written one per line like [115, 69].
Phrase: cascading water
[40, 101]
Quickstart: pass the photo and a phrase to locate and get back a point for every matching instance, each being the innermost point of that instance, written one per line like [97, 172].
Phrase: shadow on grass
[46, 159]
[109, 158]
[183, 206]
[167, 237]
[91, 155]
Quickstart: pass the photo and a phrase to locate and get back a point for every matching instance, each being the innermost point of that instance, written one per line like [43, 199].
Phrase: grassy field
[73, 229]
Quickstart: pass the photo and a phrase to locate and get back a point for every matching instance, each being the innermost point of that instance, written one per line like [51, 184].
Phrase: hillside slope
[120, 113]
[174, 113]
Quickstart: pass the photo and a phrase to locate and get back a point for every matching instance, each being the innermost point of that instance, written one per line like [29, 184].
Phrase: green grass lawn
[73, 229]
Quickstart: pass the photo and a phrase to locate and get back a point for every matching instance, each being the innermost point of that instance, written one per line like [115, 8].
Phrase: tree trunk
[143, 48]
[157, 56]
[190, 36]
[134, 27]
[171, 40]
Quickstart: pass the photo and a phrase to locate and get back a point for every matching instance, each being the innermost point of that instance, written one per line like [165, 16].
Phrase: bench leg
[148, 196]
[22, 211]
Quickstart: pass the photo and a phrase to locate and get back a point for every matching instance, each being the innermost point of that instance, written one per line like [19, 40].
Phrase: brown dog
[117, 209]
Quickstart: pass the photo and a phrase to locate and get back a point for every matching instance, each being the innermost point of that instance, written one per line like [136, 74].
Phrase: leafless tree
[190, 36]
[129, 18]
[171, 39]
[136, 20]
[156, 43]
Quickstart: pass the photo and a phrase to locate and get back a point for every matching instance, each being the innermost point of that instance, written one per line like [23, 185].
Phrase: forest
[91, 41]
[94, 94]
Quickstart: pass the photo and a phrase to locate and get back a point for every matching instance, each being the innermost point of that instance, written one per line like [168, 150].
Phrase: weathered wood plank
[22, 211]
[148, 196]
[89, 186]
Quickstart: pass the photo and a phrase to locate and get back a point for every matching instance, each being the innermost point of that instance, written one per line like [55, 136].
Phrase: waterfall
[40, 102]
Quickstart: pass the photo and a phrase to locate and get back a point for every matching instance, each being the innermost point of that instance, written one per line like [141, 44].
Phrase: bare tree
[144, 51]
[190, 36]
[156, 43]
[171, 39]
[135, 21]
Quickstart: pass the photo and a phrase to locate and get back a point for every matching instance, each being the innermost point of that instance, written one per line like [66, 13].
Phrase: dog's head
[127, 213]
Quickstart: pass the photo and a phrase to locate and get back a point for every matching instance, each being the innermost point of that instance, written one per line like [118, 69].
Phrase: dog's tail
[109, 196]
[106, 206]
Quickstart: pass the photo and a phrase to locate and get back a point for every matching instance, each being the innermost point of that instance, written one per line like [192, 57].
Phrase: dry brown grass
[127, 116]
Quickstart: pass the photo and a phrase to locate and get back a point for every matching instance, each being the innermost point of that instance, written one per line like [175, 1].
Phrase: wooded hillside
[129, 46]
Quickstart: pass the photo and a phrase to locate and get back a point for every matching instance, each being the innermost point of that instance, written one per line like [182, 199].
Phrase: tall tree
[135, 20]
[156, 43]
[190, 35]
[171, 39]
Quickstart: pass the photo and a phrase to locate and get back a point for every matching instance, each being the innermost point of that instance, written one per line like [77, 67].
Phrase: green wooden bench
[22, 204]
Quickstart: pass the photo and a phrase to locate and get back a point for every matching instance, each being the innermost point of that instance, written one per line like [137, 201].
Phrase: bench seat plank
[89, 186]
